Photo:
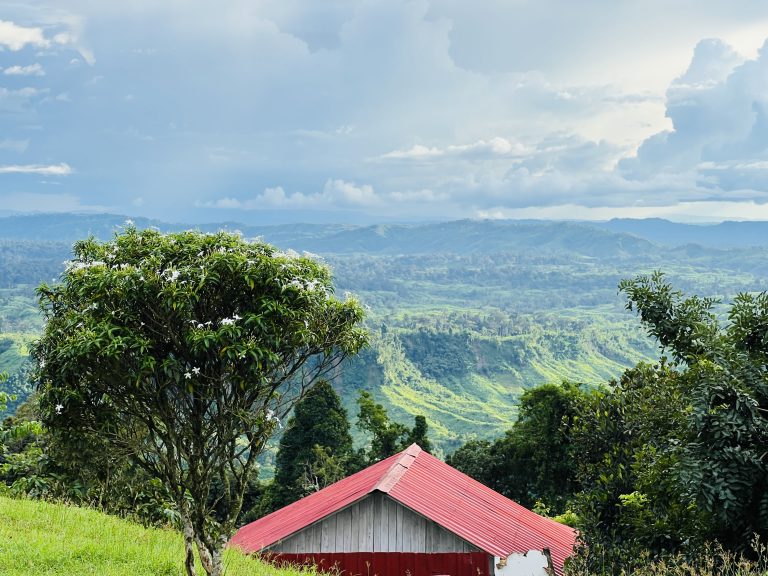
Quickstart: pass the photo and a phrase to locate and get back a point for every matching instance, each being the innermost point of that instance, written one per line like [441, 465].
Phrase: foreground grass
[47, 539]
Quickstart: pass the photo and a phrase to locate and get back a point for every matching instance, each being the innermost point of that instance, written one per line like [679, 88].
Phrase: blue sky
[372, 110]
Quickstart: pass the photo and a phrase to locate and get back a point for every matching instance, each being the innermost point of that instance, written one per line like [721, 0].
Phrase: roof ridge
[398, 469]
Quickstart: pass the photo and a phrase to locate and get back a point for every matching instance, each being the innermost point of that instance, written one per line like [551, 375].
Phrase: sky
[272, 111]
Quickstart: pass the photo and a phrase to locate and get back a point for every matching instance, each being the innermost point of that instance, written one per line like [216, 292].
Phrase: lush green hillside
[467, 384]
[464, 315]
[47, 539]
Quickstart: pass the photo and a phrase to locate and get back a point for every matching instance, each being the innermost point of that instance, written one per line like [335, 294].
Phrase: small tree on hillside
[183, 350]
[386, 437]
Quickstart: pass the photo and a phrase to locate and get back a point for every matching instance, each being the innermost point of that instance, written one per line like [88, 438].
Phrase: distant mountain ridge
[727, 234]
[614, 238]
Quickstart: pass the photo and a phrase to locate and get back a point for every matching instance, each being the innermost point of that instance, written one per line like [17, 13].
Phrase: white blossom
[290, 253]
[187, 375]
[227, 321]
[272, 417]
[174, 274]
[59, 408]
[196, 370]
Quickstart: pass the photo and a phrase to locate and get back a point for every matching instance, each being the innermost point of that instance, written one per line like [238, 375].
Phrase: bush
[710, 560]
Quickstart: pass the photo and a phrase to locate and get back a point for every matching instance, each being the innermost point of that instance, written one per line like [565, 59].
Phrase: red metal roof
[435, 490]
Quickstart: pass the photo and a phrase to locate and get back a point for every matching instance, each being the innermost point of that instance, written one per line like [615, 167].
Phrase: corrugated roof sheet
[435, 490]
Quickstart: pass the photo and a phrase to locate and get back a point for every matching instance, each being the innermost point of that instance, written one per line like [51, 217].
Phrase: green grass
[47, 539]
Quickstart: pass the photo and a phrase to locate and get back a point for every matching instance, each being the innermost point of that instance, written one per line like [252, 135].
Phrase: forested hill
[464, 315]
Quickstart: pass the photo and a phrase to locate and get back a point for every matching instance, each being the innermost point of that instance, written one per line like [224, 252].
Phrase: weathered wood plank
[412, 541]
[345, 530]
[377, 523]
[429, 540]
[390, 510]
[366, 519]
[401, 520]
[317, 537]
[328, 538]
[380, 524]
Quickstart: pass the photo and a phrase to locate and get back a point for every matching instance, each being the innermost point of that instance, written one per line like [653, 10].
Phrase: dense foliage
[674, 456]
[533, 463]
[627, 439]
[386, 437]
[182, 351]
[724, 464]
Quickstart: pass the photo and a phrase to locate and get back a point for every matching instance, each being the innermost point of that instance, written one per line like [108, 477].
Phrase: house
[411, 514]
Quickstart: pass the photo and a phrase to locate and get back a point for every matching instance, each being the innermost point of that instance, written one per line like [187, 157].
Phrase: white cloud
[335, 194]
[14, 145]
[418, 106]
[349, 193]
[719, 111]
[16, 37]
[26, 92]
[61, 169]
[493, 147]
[39, 202]
[30, 70]
[227, 203]
[21, 99]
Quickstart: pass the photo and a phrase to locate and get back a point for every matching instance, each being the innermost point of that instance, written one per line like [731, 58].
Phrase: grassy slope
[482, 401]
[52, 539]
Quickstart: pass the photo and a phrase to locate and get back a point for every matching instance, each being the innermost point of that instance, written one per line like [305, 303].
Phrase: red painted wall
[392, 563]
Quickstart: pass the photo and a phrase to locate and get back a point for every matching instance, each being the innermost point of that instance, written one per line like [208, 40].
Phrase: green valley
[463, 315]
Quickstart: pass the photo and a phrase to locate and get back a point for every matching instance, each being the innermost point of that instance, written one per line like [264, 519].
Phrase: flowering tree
[182, 351]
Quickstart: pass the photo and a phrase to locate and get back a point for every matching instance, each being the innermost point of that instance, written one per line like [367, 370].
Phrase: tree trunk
[210, 556]
[189, 539]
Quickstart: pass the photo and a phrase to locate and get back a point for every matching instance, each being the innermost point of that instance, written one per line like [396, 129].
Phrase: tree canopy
[724, 462]
[184, 350]
[386, 436]
[674, 455]
[533, 463]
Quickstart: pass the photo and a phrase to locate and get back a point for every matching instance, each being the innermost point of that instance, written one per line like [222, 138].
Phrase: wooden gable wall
[376, 523]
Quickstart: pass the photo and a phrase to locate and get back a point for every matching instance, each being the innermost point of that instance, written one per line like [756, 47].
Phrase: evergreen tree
[418, 434]
[315, 449]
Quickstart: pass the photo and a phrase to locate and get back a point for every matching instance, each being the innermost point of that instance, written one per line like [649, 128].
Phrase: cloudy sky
[364, 110]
